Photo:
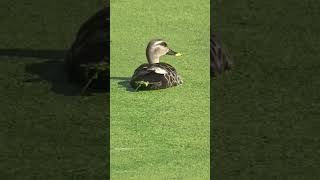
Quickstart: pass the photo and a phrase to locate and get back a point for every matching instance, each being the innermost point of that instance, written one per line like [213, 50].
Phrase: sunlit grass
[160, 134]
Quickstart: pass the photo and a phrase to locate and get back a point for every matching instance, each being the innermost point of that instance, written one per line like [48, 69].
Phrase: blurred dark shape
[88, 59]
[220, 59]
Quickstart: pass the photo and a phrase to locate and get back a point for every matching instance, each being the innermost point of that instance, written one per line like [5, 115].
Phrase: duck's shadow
[124, 82]
[53, 72]
[51, 69]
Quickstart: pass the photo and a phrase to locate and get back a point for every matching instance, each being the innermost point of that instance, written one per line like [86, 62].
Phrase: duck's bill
[173, 53]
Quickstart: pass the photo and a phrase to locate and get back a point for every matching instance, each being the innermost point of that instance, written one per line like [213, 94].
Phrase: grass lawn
[160, 134]
[266, 113]
[46, 132]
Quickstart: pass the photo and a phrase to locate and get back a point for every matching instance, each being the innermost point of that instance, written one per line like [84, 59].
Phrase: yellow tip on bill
[178, 54]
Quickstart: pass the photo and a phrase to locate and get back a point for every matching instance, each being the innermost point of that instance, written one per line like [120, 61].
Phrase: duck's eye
[163, 44]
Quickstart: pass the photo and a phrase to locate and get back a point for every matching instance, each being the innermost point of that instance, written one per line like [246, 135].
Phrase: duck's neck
[152, 59]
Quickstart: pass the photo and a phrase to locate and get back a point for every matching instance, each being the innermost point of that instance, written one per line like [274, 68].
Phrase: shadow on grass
[123, 82]
[51, 69]
[44, 54]
[53, 72]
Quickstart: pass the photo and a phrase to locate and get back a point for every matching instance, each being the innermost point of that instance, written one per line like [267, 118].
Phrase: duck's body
[158, 76]
[154, 74]
[219, 56]
[87, 61]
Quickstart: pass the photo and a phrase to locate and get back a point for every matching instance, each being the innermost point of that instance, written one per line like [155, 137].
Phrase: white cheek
[157, 50]
[160, 51]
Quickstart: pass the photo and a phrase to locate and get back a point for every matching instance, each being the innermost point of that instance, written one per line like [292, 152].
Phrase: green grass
[160, 134]
[45, 132]
[264, 125]
[266, 112]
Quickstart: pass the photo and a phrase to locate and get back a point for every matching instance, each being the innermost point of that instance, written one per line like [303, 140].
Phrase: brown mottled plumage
[147, 73]
[219, 56]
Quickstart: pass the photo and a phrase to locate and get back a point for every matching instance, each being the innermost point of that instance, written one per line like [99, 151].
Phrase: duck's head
[157, 48]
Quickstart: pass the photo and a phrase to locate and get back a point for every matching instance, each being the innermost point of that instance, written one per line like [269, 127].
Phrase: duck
[220, 59]
[155, 74]
[87, 60]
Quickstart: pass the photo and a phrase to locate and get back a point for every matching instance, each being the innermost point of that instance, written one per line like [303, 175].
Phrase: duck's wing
[145, 69]
[168, 67]
[159, 68]
[158, 76]
[220, 59]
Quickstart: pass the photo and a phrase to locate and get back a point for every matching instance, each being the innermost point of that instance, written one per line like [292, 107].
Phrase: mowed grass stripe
[160, 134]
